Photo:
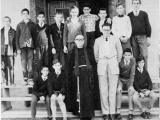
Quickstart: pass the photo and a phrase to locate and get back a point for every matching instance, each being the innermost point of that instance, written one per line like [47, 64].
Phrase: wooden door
[59, 6]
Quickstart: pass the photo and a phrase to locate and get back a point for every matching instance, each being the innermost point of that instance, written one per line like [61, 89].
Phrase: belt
[81, 66]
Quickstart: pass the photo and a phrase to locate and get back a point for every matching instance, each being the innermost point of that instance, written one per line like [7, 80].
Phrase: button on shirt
[6, 35]
[89, 21]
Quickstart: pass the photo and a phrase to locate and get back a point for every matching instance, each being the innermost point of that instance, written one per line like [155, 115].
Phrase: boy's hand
[148, 41]
[42, 98]
[119, 89]
[19, 51]
[65, 49]
[131, 89]
[53, 51]
[109, 20]
[124, 39]
[34, 51]
[147, 92]
[141, 95]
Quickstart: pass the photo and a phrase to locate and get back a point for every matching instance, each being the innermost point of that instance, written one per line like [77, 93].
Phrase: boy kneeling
[143, 87]
[40, 92]
[126, 78]
[56, 88]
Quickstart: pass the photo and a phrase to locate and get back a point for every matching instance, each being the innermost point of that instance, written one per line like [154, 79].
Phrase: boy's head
[41, 17]
[25, 13]
[140, 62]
[120, 8]
[45, 70]
[86, 8]
[56, 65]
[136, 4]
[74, 11]
[7, 21]
[106, 29]
[79, 41]
[58, 17]
[127, 54]
[102, 13]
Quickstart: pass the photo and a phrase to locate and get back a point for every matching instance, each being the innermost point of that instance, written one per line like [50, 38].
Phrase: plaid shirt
[90, 21]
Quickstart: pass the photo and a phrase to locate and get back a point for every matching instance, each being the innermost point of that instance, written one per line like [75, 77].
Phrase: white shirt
[106, 47]
[140, 70]
[136, 12]
[41, 25]
[6, 35]
[126, 62]
[101, 22]
[44, 78]
[122, 26]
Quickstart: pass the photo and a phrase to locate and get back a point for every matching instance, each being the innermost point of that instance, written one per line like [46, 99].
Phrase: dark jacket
[40, 87]
[142, 80]
[98, 33]
[24, 32]
[12, 44]
[57, 36]
[57, 83]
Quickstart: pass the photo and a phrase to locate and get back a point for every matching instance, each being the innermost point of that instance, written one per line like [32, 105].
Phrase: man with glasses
[108, 53]
[141, 31]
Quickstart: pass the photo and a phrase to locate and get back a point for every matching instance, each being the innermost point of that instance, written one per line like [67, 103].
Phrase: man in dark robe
[80, 77]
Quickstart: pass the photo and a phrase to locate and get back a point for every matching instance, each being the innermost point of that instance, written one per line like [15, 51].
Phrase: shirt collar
[136, 11]
[125, 62]
[140, 70]
[7, 28]
[44, 78]
[40, 24]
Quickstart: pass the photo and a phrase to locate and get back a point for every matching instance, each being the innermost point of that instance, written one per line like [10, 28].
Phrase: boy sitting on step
[143, 87]
[40, 92]
[56, 89]
[126, 78]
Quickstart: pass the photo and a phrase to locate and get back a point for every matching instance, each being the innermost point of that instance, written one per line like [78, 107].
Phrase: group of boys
[128, 33]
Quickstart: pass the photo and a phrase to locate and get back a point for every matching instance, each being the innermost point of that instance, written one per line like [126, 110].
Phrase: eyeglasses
[79, 39]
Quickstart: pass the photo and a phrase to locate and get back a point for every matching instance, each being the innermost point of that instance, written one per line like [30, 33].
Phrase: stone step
[42, 113]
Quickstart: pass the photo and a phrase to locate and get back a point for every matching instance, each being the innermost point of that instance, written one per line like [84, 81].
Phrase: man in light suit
[108, 53]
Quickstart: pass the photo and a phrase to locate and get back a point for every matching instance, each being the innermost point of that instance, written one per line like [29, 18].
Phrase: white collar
[7, 28]
[102, 21]
[44, 78]
[41, 25]
[58, 72]
[136, 11]
[125, 62]
[140, 70]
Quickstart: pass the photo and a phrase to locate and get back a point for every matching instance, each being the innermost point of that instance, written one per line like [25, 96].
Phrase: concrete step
[42, 113]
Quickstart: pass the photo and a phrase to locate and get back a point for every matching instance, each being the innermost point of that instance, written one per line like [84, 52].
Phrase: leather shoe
[130, 117]
[106, 117]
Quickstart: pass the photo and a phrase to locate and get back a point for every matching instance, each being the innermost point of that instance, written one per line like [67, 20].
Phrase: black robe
[85, 86]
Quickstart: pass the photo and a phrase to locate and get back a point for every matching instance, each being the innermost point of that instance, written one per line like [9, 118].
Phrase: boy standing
[143, 86]
[8, 49]
[42, 40]
[121, 27]
[108, 53]
[126, 78]
[56, 39]
[25, 44]
[57, 88]
[40, 92]
[103, 20]
[141, 31]
[89, 21]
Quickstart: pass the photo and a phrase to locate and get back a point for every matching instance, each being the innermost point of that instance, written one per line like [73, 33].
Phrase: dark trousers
[86, 118]
[90, 39]
[126, 45]
[34, 104]
[42, 53]
[27, 60]
[139, 47]
[8, 62]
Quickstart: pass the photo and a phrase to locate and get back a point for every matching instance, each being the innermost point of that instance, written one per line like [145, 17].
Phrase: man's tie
[120, 15]
[106, 39]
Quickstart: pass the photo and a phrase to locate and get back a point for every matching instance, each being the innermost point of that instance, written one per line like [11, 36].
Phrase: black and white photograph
[80, 59]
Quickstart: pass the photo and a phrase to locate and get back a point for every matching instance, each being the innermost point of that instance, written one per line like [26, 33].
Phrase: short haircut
[127, 50]
[136, 0]
[55, 61]
[106, 24]
[139, 58]
[58, 13]
[104, 9]
[25, 9]
[74, 7]
[8, 18]
[86, 5]
[119, 3]
[41, 13]
[44, 66]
